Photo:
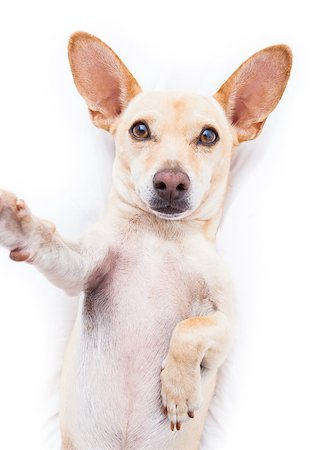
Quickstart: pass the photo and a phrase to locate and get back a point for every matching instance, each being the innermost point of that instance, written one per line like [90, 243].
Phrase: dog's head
[173, 150]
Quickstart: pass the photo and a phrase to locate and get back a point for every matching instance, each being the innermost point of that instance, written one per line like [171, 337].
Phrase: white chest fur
[121, 337]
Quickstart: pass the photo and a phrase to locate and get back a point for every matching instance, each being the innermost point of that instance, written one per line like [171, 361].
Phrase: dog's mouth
[170, 210]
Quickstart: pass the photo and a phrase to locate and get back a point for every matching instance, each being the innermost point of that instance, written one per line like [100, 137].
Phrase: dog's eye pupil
[208, 136]
[140, 131]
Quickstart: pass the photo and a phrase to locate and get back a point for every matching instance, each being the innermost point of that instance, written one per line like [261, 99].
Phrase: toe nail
[191, 414]
[172, 426]
[178, 426]
[19, 204]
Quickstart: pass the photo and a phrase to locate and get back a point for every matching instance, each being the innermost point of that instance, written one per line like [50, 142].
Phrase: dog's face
[172, 153]
[173, 150]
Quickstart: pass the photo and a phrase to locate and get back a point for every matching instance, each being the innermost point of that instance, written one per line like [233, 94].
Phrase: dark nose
[171, 184]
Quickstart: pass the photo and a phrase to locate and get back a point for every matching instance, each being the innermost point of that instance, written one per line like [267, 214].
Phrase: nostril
[161, 186]
[181, 187]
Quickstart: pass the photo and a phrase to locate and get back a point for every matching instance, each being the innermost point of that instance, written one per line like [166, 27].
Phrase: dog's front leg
[201, 341]
[36, 241]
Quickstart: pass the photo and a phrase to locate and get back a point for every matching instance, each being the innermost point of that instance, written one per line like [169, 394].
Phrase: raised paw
[180, 390]
[15, 219]
[20, 231]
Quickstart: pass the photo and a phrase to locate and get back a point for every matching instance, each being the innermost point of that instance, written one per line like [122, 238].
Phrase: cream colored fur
[156, 320]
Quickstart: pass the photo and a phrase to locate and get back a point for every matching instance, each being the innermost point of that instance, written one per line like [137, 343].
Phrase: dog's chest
[145, 280]
[138, 295]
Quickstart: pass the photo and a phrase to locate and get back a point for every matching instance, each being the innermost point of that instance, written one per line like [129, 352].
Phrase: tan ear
[101, 78]
[254, 90]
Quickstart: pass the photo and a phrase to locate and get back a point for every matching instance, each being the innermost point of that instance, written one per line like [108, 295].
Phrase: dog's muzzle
[171, 192]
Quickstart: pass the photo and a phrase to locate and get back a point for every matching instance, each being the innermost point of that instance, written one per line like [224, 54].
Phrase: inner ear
[254, 90]
[101, 78]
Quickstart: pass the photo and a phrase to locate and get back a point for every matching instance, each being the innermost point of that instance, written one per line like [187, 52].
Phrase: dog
[156, 318]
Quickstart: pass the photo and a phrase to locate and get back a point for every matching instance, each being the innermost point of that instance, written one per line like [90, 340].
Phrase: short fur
[155, 322]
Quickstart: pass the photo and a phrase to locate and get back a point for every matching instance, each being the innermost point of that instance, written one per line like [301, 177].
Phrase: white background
[270, 236]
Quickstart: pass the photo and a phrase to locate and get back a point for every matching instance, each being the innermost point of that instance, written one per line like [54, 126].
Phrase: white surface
[55, 159]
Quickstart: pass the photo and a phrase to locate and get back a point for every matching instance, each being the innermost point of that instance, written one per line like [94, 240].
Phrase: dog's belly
[112, 373]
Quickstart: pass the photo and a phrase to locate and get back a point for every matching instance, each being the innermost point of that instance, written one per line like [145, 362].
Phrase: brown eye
[140, 131]
[208, 136]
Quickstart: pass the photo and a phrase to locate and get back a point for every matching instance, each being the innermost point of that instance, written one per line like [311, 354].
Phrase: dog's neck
[130, 218]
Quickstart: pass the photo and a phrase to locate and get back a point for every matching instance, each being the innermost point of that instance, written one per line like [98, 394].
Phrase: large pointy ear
[101, 78]
[254, 90]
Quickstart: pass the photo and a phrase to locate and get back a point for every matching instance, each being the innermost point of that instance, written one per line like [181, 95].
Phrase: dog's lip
[168, 210]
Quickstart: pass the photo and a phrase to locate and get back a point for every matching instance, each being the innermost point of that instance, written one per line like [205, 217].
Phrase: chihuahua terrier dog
[155, 321]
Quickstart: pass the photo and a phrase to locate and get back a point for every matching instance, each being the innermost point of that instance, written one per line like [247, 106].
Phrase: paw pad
[19, 255]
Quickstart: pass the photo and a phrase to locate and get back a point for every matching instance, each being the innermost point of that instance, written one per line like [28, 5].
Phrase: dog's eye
[140, 131]
[208, 136]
